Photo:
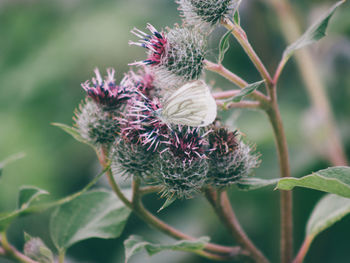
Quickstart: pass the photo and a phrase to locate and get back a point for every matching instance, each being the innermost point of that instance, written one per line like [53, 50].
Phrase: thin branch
[102, 157]
[242, 39]
[279, 70]
[152, 220]
[136, 197]
[137, 204]
[11, 252]
[222, 206]
[61, 256]
[221, 70]
[303, 250]
[241, 105]
[312, 79]
[314, 86]
[2, 251]
[225, 94]
[286, 201]
[149, 189]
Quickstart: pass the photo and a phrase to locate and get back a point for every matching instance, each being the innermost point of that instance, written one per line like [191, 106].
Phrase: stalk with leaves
[166, 145]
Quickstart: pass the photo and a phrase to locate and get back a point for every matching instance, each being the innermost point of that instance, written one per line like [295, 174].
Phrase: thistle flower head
[187, 145]
[141, 135]
[96, 125]
[155, 43]
[143, 120]
[142, 81]
[178, 179]
[180, 61]
[130, 157]
[106, 92]
[182, 166]
[222, 141]
[230, 159]
[204, 14]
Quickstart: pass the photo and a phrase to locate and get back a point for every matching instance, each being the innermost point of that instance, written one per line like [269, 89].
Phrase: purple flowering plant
[125, 124]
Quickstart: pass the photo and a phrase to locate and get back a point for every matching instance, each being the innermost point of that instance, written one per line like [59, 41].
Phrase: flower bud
[106, 92]
[143, 120]
[142, 81]
[180, 180]
[175, 57]
[96, 125]
[205, 14]
[182, 166]
[230, 160]
[35, 249]
[131, 158]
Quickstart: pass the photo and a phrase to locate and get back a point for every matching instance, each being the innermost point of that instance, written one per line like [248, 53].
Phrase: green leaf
[246, 91]
[328, 211]
[253, 183]
[73, 132]
[7, 218]
[335, 180]
[224, 45]
[9, 160]
[135, 244]
[313, 34]
[168, 201]
[93, 214]
[26, 198]
[27, 237]
[28, 194]
[236, 17]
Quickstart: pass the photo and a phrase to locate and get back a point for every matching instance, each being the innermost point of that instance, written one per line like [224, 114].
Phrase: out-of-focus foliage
[47, 48]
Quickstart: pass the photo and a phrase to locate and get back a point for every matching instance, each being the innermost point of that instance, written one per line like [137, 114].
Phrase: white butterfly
[191, 105]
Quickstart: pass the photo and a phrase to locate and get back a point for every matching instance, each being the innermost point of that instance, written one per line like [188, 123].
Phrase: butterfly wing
[191, 105]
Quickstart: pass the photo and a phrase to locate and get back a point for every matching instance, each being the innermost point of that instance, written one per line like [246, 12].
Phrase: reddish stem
[225, 94]
[11, 252]
[222, 207]
[152, 220]
[241, 37]
[303, 250]
[286, 196]
[241, 105]
[220, 69]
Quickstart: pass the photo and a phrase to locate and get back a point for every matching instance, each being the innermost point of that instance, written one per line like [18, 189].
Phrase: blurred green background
[47, 48]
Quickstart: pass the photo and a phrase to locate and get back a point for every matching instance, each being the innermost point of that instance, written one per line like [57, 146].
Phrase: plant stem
[241, 105]
[225, 94]
[151, 220]
[137, 204]
[149, 190]
[222, 207]
[11, 252]
[303, 250]
[242, 39]
[269, 104]
[308, 70]
[2, 251]
[279, 70]
[221, 70]
[102, 157]
[61, 256]
[286, 196]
